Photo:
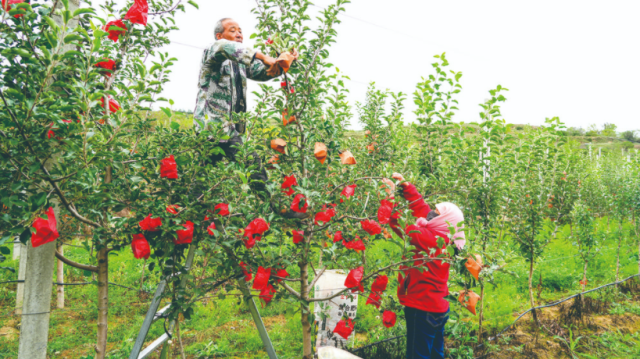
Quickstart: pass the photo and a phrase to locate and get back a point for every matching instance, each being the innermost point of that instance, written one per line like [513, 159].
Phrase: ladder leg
[153, 309]
[257, 319]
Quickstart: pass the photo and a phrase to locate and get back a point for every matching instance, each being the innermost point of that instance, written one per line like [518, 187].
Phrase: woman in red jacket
[422, 292]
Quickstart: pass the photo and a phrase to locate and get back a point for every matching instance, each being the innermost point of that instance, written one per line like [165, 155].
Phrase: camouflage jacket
[216, 92]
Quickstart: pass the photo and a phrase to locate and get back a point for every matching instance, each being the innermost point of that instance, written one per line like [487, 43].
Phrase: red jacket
[423, 291]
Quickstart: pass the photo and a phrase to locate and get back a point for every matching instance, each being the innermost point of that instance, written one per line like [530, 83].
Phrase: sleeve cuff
[249, 56]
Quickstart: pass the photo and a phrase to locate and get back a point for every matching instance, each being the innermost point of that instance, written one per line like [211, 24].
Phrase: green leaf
[24, 6]
[14, 12]
[5, 250]
[25, 236]
[166, 111]
[183, 160]
[72, 54]
[39, 199]
[51, 23]
[451, 251]
[175, 126]
[84, 10]
[72, 37]
[193, 3]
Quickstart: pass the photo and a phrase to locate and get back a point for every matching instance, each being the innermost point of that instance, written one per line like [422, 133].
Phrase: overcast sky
[578, 60]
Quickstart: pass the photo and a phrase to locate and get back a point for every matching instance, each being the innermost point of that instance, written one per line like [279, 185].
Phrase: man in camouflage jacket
[224, 70]
[222, 86]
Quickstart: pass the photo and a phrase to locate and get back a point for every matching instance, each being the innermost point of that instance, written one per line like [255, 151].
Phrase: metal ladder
[153, 314]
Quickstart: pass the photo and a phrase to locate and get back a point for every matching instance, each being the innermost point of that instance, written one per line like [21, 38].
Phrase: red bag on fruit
[355, 245]
[185, 236]
[282, 273]
[380, 284]
[298, 236]
[370, 226]
[140, 247]
[46, 230]
[354, 278]
[169, 168]
[344, 329]
[289, 182]
[388, 318]
[211, 228]
[254, 232]
[296, 205]
[375, 299]
[138, 12]
[247, 272]
[384, 212]
[262, 278]
[267, 293]
[150, 224]
[114, 34]
[349, 191]
[221, 209]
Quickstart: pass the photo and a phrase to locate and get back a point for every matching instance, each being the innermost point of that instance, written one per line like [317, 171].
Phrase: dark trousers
[425, 334]
[230, 150]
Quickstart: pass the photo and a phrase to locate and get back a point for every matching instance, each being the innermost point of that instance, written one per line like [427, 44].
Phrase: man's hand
[295, 54]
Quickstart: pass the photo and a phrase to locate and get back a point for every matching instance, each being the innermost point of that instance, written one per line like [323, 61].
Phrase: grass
[223, 327]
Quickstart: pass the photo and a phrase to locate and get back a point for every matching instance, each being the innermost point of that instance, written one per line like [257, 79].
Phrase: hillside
[186, 120]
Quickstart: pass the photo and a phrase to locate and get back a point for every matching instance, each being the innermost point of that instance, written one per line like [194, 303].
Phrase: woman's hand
[390, 187]
[399, 178]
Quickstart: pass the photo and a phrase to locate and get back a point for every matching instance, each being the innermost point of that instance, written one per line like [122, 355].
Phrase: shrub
[609, 130]
[630, 136]
[627, 145]
[574, 131]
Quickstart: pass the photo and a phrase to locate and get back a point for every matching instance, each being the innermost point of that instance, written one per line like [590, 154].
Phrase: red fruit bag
[262, 278]
[344, 329]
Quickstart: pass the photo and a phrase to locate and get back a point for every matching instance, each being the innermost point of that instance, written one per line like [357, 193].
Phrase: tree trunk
[480, 313]
[618, 252]
[533, 312]
[60, 279]
[584, 276]
[103, 302]
[571, 228]
[307, 348]
[144, 267]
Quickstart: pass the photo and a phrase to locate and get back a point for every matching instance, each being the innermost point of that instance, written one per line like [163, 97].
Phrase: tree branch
[371, 275]
[67, 261]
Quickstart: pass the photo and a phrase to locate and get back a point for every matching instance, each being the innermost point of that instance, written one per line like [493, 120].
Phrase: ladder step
[153, 346]
[160, 313]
